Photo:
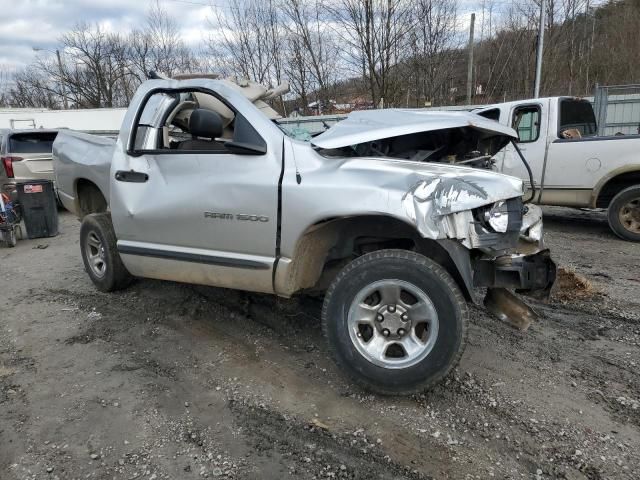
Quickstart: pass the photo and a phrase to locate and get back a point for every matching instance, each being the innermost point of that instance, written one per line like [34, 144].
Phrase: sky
[29, 24]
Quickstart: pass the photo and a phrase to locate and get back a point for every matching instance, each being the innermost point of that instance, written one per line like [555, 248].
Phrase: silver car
[25, 155]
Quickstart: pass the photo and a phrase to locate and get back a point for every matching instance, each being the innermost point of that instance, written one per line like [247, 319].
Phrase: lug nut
[392, 308]
[401, 331]
[404, 317]
[386, 332]
[379, 317]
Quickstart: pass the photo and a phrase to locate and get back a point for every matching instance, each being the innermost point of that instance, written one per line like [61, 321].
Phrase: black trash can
[39, 209]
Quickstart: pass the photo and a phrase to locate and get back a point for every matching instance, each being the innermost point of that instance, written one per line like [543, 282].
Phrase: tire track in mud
[114, 324]
[499, 425]
[575, 353]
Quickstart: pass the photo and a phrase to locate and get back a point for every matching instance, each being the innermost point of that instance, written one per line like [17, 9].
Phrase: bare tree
[249, 40]
[396, 50]
[434, 40]
[94, 70]
[296, 70]
[374, 35]
[314, 47]
[103, 69]
[158, 47]
[5, 86]
[30, 88]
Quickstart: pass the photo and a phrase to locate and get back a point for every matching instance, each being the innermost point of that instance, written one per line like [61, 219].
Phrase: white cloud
[39, 23]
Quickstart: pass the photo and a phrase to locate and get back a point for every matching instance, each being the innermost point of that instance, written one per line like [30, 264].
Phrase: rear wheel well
[329, 246]
[615, 185]
[89, 198]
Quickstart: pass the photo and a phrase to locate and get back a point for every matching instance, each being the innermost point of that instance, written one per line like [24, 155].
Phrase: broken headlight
[497, 217]
[501, 217]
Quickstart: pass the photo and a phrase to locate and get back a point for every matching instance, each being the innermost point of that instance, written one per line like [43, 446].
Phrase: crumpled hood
[369, 125]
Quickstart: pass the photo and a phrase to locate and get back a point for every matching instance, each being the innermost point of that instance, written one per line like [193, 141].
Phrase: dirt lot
[175, 381]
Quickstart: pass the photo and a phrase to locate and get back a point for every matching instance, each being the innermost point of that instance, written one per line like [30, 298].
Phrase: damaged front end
[525, 267]
[478, 215]
[505, 252]
[498, 242]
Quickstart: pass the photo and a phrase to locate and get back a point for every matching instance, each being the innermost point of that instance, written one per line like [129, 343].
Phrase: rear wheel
[395, 321]
[100, 255]
[624, 214]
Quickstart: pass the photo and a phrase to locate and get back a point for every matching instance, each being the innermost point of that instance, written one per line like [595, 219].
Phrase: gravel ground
[165, 380]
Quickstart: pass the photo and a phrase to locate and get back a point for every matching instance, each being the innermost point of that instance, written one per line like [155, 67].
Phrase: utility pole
[470, 61]
[62, 90]
[543, 11]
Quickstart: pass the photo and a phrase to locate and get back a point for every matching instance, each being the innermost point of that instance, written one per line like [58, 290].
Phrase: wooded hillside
[358, 52]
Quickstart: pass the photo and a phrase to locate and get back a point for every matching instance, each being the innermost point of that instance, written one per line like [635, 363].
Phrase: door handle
[131, 176]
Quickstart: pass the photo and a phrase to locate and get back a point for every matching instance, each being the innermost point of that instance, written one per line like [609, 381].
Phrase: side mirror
[244, 148]
[246, 141]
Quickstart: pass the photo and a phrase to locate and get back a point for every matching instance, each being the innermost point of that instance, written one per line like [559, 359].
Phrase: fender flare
[459, 255]
[595, 193]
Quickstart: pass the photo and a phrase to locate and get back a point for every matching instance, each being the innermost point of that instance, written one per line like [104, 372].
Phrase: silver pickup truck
[394, 215]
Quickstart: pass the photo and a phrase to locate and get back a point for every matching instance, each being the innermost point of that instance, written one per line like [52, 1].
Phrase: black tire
[115, 275]
[416, 270]
[625, 224]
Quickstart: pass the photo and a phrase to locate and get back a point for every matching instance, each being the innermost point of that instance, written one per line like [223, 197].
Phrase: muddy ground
[175, 381]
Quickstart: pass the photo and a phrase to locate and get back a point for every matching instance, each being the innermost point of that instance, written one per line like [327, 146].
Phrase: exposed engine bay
[460, 138]
[462, 146]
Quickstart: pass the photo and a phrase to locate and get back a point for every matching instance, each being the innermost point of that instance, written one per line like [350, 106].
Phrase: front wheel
[395, 321]
[624, 214]
[100, 255]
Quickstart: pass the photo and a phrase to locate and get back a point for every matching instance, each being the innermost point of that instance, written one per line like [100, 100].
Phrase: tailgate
[31, 155]
[33, 167]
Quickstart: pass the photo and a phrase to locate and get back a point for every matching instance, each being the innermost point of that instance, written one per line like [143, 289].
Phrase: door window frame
[561, 103]
[131, 151]
[530, 106]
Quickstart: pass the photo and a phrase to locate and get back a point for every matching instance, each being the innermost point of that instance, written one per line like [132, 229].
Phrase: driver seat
[205, 126]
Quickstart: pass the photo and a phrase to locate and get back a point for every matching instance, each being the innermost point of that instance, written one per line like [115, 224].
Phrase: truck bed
[80, 157]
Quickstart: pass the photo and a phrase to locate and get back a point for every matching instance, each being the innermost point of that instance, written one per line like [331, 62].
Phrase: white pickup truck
[571, 166]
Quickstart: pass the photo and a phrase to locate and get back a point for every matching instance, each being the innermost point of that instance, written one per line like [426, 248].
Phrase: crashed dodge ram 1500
[394, 215]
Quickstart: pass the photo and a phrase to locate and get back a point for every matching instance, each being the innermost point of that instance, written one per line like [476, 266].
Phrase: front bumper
[514, 260]
[532, 275]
